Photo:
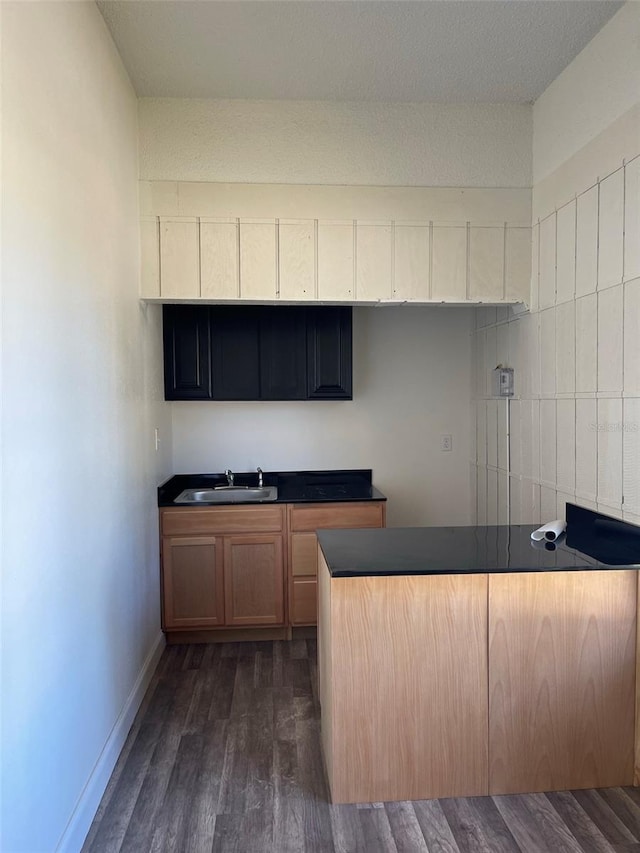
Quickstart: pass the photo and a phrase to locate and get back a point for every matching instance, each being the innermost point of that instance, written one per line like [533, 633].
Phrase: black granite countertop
[293, 486]
[593, 541]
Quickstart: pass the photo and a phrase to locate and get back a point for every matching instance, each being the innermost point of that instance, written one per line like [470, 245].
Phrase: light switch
[446, 443]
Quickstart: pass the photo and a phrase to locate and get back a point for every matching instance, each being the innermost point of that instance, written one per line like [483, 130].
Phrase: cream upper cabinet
[373, 261]
[335, 261]
[219, 259]
[449, 263]
[412, 262]
[258, 265]
[179, 264]
[297, 259]
[330, 244]
[486, 263]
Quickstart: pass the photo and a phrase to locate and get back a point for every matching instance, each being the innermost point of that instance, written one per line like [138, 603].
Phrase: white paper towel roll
[549, 531]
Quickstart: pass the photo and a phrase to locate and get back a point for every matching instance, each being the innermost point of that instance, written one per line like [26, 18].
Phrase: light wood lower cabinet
[192, 582]
[303, 521]
[254, 580]
[235, 578]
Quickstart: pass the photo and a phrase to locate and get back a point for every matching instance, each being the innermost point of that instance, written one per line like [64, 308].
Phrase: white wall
[81, 395]
[599, 86]
[483, 145]
[575, 423]
[411, 385]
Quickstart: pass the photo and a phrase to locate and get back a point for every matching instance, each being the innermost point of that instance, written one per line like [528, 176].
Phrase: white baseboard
[87, 805]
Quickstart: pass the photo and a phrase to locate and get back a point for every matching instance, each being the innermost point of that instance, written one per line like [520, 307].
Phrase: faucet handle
[230, 476]
[260, 478]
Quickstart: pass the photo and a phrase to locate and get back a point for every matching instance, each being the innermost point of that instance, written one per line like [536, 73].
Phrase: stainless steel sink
[228, 494]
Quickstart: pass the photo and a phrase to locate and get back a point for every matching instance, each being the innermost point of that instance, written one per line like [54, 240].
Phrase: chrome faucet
[230, 476]
[260, 478]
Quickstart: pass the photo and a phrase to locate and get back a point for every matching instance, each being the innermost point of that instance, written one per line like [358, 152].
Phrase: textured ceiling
[351, 50]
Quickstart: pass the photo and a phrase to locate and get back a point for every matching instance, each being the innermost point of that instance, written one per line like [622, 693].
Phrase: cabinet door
[304, 601]
[412, 262]
[219, 269]
[254, 580]
[179, 262]
[304, 554]
[235, 353]
[192, 582]
[329, 353]
[258, 259]
[186, 352]
[283, 354]
[335, 261]
[297, 259]
[373, 261]
[449, 261]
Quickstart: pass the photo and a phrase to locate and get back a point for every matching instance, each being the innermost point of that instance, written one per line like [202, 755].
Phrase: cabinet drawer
[323, 516]
[223, 519]
[304, 601]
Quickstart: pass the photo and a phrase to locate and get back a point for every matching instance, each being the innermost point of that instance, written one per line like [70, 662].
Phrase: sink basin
[228, 494]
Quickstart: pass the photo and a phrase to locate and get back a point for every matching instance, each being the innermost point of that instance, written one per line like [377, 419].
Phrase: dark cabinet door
[329, 359]
[235, 353]
[187, 369]
[283, 353]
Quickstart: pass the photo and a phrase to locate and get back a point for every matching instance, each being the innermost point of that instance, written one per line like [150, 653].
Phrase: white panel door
[548, 351]
[587, 343]
[548, 442]
[219, 267]
[566, 445]
[335, 261]
[179, 259]
[486, 264]
[565, 348]
[373, 262]
[632, 220]
[610, 327]
[481, 495]
[566, 253]
[535, 266]
[610, 230]
[150, 257]
[610, 452]
[258, 259]
[518, 265]
[631, 455]
[449, 263]
[632, 337]
[411, 262]
[586, 449]
[297, 259]
[547, 262]
[587, 242]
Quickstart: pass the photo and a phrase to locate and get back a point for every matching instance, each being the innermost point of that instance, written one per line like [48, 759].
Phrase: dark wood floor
[224, 756]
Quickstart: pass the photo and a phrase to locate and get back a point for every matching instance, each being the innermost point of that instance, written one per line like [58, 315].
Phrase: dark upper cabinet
[187, 349]
[257, 352]
[329, 360]
[235, 353]
[283, 353]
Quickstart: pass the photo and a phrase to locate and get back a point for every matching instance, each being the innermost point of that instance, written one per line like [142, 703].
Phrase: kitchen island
[464, 661]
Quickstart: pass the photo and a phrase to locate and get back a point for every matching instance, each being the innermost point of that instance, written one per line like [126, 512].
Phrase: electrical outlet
[446, 443]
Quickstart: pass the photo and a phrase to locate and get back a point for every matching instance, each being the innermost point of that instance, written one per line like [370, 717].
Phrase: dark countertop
[293, 486]
[593, 541]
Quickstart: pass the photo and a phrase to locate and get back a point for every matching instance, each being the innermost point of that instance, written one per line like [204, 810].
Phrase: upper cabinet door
[258, 276]
[150, 257]
[219, 259]
[517, 265]
[373, 262]
[449, 273]
[186, 352]
[329, 362]
[179, 263]
[412, 262]
[297, 259]
[283, 353]
[335, 261]
[486, 264]
[235, 356]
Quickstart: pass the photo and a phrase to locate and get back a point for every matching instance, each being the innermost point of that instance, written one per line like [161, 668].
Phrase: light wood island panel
[403, 674]
[562, 649]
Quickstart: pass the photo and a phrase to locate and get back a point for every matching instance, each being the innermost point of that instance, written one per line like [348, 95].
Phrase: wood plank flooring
[224, 755]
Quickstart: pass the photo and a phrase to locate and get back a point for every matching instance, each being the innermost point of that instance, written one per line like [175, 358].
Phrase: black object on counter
[293, 486]
[593, 541]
